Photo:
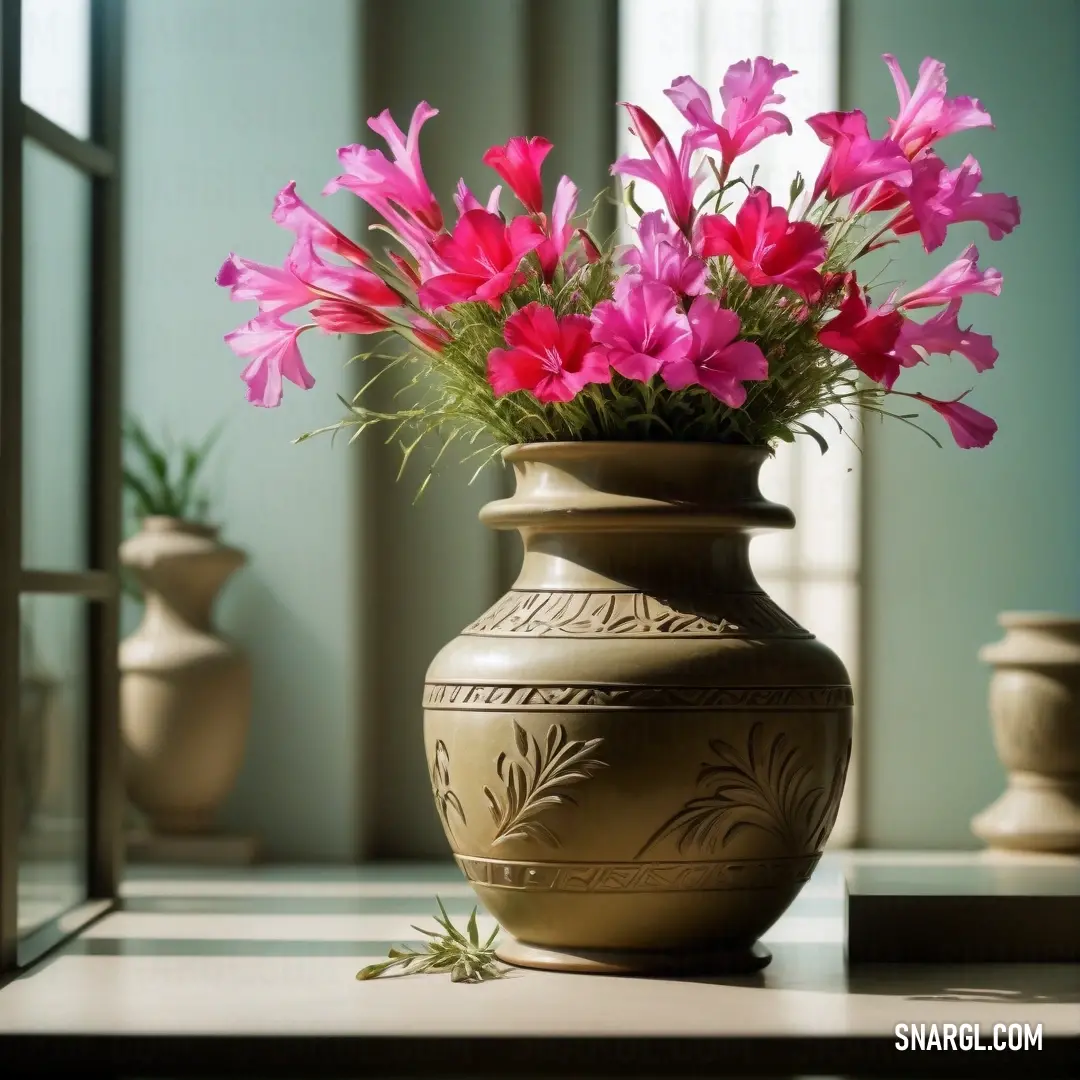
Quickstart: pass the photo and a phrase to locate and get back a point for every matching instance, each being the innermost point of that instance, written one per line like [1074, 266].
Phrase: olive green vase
[636, 755]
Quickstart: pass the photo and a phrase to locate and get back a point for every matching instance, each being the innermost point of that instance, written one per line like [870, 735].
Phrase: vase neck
[180, 573]
[667, 519]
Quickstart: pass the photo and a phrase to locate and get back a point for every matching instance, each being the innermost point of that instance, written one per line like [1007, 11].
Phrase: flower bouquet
[635, 754]
[717, 324]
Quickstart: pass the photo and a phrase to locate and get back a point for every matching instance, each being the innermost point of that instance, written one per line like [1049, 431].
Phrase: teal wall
[225, 103]
[953, 537]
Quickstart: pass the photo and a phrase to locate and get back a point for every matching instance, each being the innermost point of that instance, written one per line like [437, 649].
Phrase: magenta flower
[465, 200]
[343, 317]
[959, 278]
[293, 213]
[765, 247]
[970, 428]
[642, 328]
[747, 88]
[271, 345]
[551, 358]
[664, 255]
[518, 163]
[405, 268]
[942, 335]
[866, 336]
[939, 196]
[326, 281]
[402, 182]
[483, 256]
[276, 289]
[716, 360]
[855, 160]
[926, 114]
[415, 236]
[672, 175]
[560, 230]
[429, 334]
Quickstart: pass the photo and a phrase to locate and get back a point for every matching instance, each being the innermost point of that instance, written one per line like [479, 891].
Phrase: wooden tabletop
[252, 973]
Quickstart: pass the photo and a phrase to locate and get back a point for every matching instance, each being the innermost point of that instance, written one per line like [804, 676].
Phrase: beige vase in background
[1035, 716]
[636, 755]
[185, 692]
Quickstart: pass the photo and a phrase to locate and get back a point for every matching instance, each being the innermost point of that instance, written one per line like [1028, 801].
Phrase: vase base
[702, 961]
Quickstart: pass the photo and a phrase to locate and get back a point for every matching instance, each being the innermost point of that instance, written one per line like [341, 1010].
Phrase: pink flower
[559, 231]
[926, 114]
[465, 200]
[866, 336]
[274, 353]
[342, 317]
[518, 163]
[765, 247]
[716, 360]
[939, 196]
[970, 428]
[483, 256]
[673, 176]
[664, 255]
[412, 234]
[276, 289]
[551, 358]
[959, 278]
[405, 268]
[429, 334]
[293, 213]
[942, 335]
[746, 90]
[402, 182]
[855, 160]
[642, 328]
[327, 281]
[592, 253]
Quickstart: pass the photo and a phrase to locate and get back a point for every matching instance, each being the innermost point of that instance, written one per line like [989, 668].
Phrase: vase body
[185, 691]
[635, 754]
[1035, 718]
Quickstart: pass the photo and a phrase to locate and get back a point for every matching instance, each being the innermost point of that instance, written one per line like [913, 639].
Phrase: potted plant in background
[185, 691]
[636, 754]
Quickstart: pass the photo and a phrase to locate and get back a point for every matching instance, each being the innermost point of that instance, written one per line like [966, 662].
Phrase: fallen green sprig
[450, 949]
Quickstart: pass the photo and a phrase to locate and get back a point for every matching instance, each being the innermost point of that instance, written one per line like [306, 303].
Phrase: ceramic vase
[1035, 718]
[636, 755]
[185, 691]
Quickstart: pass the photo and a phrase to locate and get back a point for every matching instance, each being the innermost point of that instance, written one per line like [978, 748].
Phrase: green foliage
[161, 479]
[448, 950]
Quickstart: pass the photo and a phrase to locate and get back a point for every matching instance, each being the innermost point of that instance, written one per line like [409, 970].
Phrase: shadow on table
[821, 969]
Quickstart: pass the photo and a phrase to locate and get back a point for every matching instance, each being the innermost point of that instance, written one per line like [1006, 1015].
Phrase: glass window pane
[829, 500]
[775, 550]
[56, 61]
[829, 610]
[783, 590]
[53, 762]
[56, 334]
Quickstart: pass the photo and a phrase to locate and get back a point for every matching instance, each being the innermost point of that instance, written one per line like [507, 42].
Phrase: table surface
[252, 972]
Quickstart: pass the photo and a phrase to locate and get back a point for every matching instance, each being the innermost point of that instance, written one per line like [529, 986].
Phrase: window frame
[99, 159]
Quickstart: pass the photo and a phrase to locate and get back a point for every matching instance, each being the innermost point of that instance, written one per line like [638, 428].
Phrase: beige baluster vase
[636, 755]
[185, 691]
[1035, 717]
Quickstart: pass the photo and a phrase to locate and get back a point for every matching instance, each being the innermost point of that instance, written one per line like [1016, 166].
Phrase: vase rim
[165, 523]
[620, 447]
[1036, 619]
